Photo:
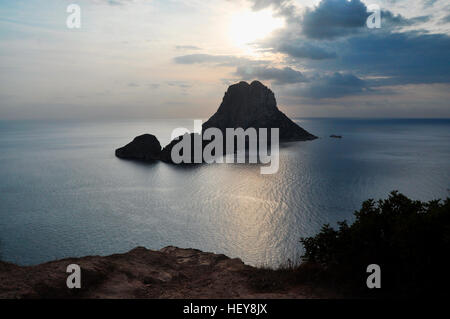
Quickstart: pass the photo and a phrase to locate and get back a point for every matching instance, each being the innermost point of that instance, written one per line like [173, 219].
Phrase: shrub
[410, 240]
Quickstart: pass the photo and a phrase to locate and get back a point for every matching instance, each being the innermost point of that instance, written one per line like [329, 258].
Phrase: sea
[63, 193]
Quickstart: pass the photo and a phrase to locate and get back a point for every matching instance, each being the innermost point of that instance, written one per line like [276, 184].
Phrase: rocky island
[145, 147]
[243, 106]
[254, 105]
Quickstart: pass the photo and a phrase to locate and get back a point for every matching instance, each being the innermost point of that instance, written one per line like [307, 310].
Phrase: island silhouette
[243, 106]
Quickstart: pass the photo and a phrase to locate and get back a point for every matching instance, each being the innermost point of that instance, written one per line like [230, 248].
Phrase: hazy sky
[175, 58]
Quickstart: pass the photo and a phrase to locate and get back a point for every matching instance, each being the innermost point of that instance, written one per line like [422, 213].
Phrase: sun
[249, 26]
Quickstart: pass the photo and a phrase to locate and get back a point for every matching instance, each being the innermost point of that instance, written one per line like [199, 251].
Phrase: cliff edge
[141, 273]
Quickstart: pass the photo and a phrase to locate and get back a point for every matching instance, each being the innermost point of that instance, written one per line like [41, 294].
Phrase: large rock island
[254, 105]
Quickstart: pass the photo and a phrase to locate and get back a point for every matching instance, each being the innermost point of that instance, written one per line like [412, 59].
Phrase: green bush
[409, 240]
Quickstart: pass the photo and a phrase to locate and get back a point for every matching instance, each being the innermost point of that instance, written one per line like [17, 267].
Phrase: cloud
[115, 2]
[407, 58]
[180, 84]
[334, 86]
[397, 20]
[334, 18]
[221, 60]
[282, 76]
[262, 4]
[392, 56]
[331, 19]
[306, 51]
[205, 58]
[187, 47]
[428, 3]
[283, 8]
[445, 19]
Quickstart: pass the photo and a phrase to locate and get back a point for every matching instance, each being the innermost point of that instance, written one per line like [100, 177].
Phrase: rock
[141, 273]
[145, 148]
[166, 153]
[253, 105]
[244, 106]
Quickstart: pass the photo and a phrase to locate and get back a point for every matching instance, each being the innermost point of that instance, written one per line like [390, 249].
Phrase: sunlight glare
[248, 26]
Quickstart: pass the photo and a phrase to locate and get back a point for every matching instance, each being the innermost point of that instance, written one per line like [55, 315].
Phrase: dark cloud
[331, 19]
[397, 20]
[306, 51]
[407, 58]
[334, 18]
[391, 56]
[285, 75]
[332, 41]
[316, 87]
[334, 86]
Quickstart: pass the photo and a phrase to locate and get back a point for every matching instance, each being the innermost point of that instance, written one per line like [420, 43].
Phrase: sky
[146, 59]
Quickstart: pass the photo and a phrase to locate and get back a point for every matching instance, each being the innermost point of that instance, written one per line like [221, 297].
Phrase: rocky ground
[141, 273]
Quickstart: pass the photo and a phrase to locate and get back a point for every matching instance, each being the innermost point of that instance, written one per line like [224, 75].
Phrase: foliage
[409, 239]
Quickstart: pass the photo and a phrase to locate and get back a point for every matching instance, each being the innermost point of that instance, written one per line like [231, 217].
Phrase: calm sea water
[64, 193]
